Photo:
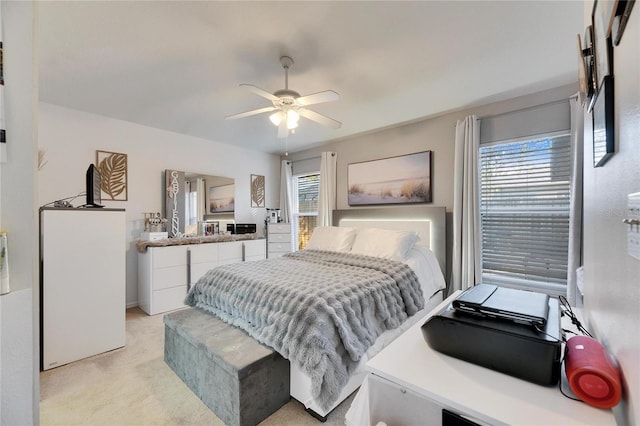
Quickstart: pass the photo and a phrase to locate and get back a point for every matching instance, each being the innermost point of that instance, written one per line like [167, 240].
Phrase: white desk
[480, 394]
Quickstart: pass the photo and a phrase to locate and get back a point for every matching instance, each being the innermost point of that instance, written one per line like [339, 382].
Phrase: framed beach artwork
[404, 179]
[222, 198]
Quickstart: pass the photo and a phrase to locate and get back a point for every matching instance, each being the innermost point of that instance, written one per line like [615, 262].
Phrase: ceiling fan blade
[261, 92]
[317, 98]
[249, 113]
[283, 131]
[319, 118]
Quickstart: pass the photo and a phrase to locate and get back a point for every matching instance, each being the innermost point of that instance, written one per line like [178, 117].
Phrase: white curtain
[286, 192]
[575, 200]
[466, 265]
[327, 189]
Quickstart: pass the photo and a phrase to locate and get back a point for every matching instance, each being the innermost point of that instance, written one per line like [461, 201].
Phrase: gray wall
[436, 134]
[611, 276]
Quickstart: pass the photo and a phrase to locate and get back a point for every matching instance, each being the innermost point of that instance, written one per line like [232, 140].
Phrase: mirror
[198, 204]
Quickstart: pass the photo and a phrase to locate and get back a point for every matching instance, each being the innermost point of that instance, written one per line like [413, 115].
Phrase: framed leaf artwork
[257, 191]
[113, 171]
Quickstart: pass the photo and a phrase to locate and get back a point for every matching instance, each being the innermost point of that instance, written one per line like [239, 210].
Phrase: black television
[94, 180]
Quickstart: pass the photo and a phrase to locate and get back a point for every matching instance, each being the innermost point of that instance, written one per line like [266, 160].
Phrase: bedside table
[279, 239]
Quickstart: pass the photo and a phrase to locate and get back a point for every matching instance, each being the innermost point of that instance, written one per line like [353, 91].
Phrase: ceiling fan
[289, 105]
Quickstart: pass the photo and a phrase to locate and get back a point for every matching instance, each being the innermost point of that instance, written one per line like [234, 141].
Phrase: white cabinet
[82, 255]
[279, 239]
[166, 273]
[393, 404]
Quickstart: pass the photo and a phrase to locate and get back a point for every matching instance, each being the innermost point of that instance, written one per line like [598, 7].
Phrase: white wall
[19, 386]
[71, 138]
[611, 276]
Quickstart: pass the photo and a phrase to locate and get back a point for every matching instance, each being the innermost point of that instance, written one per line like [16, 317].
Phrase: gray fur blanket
[321, 310]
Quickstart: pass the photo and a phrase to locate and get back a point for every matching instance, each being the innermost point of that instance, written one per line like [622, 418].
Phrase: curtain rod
[333, 154]
[527, 108]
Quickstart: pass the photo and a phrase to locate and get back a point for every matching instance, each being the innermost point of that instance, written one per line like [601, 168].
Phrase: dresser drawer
[199, 269]
[168, 256]
[254, 249]
[276, 254]
[279, 228]
[279, 238]
[279, 247]
[168, 277]
[204, 253]
[230, 252]
[168, 299]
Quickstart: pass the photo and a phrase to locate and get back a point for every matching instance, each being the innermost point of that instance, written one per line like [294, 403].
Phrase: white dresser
[279, 238]
[165, 273]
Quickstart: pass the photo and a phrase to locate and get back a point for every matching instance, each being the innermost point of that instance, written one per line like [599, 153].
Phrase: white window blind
[306, 188]
[524, 213]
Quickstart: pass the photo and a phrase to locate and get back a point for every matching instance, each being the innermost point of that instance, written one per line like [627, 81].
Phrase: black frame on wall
[603, 124]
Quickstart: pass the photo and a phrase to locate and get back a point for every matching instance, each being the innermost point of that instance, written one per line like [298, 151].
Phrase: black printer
[515, 349]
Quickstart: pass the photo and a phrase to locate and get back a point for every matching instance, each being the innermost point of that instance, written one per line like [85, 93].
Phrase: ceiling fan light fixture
[290, 115]
[276, 118]
[288, 105]
[292, 119]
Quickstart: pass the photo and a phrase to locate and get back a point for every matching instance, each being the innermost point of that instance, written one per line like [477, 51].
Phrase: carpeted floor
[133, 386]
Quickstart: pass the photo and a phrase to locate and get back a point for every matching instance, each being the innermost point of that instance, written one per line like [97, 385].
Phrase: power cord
[64, 202]
[566, 395]
[566, 309]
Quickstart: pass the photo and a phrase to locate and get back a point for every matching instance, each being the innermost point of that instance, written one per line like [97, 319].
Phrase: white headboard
[429, 222]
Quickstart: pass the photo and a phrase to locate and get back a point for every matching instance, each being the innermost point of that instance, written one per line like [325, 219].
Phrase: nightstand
[279, 239]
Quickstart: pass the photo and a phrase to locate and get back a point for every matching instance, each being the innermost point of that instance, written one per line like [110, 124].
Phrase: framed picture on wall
[603, 125]
[405, 179]
[620, 21]
[602, 16]
[113, 170]
[257, 191]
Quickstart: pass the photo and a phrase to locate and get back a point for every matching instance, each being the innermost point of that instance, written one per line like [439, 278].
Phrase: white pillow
[384, 243]
[331, 238]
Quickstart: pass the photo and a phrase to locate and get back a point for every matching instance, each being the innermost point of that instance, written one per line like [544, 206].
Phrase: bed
[358, 286]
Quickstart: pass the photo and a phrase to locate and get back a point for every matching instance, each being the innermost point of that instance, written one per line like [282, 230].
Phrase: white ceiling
[177, 65]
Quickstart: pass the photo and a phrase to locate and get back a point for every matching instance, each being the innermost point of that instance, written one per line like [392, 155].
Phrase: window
[191, 203]
[524, 213]
[305, 209]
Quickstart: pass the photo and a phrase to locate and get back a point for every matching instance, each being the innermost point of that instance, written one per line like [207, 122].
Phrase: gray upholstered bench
[240, 380]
